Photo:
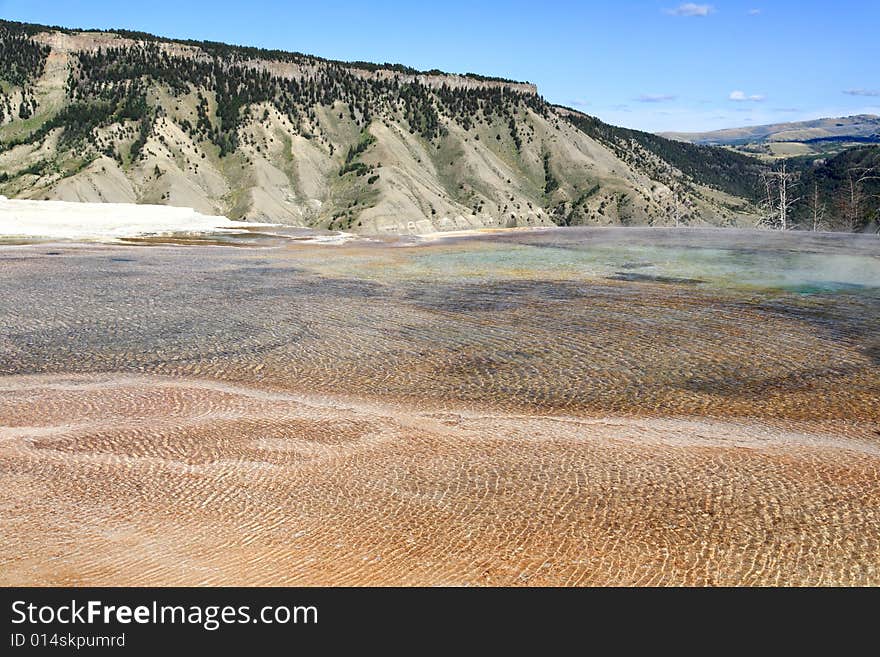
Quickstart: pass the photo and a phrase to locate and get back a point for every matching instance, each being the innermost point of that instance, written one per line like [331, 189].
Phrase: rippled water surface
[426, 412]
[639, 321]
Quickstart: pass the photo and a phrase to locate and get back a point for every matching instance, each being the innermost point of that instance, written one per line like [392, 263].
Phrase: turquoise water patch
[826, 287]
[729, 261]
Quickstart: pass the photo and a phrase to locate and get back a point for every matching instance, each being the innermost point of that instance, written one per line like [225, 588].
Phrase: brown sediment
[191, 482]
[274, 416]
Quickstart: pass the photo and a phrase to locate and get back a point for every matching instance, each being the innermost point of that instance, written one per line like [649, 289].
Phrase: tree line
[235, 78]
[841, 193]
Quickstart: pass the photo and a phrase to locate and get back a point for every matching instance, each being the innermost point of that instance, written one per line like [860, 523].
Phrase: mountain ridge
[856, 125]
[35, 29]
[274, 136]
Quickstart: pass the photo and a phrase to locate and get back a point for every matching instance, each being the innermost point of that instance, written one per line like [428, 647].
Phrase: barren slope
[90, 116]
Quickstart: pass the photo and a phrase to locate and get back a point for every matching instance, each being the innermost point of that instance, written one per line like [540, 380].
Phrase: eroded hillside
[295, 139]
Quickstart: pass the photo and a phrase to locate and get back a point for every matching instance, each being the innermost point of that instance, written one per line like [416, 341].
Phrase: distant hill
[818, 138]
[860, 125]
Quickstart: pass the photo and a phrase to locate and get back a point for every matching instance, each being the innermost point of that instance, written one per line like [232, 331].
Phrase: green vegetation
[114, 73]
[845, 189]
[587, 194]
[351, 163]
[21, 58]
[35, 169]
[240, 53]
[720, 168]
[137, 145]
[550, 182]
[110, 87]
[78, 120]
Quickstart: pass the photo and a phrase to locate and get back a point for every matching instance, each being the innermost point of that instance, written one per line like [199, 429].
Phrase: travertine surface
[540, 409]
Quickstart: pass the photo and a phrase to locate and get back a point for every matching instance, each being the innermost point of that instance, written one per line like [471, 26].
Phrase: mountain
[860, 125]
[800, 138]
[263, 135]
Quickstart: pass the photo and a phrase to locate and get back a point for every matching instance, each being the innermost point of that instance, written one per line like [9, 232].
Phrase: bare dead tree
[785, 182]
[817, 209]
[779, 185]
[877, 213]
[675, 207]
[765, 207]
[876, 199]
[853, 200]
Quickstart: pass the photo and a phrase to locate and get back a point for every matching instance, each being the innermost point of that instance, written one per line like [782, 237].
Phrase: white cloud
[862, 92]
[691, 9]
[578, 102]
[740, 96]
[655, 98]
[754, 12]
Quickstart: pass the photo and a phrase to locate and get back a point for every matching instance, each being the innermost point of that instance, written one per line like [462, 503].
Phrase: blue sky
[654, 65]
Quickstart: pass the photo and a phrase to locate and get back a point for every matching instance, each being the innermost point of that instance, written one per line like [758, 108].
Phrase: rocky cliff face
[290, 138]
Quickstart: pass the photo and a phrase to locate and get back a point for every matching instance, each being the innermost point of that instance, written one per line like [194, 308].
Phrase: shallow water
[578, 320]
[606, 406]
